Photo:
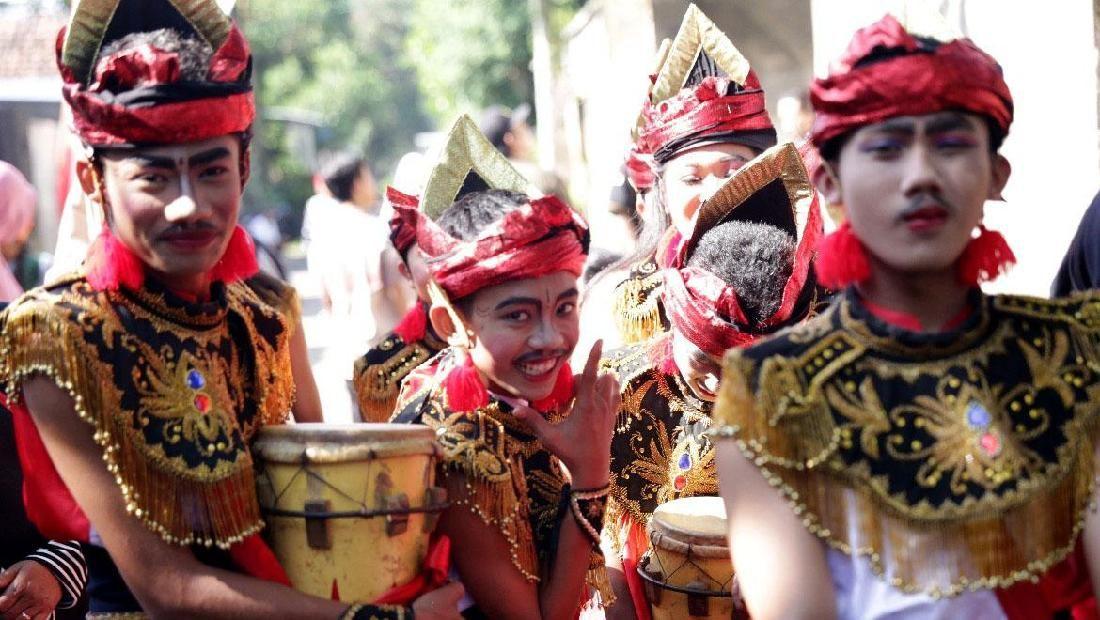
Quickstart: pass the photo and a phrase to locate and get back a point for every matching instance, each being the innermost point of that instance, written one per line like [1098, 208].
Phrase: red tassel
[561, 394]
[465, 391]
[985, 257]
[841, 259]
[239, 260]
[255, 558]
[110, 264]
[414, 324]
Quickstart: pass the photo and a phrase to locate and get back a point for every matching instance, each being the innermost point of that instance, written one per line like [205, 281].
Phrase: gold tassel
[637, 309]
[377, 396]
[597, 579]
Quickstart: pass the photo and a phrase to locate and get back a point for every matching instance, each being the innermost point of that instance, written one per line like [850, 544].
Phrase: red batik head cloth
[772, 189]
[703, 92]
[889, 72]
[140, 96]
[541, 237]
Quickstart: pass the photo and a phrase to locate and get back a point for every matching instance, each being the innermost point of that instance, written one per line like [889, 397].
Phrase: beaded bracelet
[588, 506]
[363, 611]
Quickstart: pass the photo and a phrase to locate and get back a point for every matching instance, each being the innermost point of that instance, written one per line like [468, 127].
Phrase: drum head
[691, 520]
[320, 442]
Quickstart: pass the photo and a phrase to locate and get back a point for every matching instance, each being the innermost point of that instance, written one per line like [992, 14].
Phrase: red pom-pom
[561, 394]
[463, 385]
[239, 260]
[985, 257]
[110, 264]
[841, 259]
[414, 324]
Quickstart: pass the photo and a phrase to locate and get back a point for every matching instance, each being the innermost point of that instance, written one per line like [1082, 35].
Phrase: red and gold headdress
[887, 71]
[703, 92]
[773, 189]
[137, 96]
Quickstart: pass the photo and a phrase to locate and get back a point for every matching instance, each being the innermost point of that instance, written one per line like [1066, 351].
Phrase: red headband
[705, 310]
[927, 77]
[101, 118]
[402, 231]
[538, 238]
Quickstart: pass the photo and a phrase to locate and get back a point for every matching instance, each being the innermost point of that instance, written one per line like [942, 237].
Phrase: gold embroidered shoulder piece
[660, 450]
[379, 373]
[174, 391]
[954, 462]
[637, 304]
[513, 484]
[279, 295]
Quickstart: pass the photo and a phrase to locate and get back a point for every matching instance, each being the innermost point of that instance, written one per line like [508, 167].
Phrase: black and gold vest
[379, 373]
[174, 390]
[661, 450]
[952, 461]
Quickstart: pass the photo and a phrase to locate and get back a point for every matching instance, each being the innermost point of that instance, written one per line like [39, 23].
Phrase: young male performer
[149, 370]
[703, 118]
[525, 455]
[743, 273]
[920, 449]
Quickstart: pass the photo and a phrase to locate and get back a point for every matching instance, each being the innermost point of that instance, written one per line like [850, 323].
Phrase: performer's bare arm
[167, 580]
[780, 566]
[623, 609]
[481, 553]
[1091, 535]
[307, 399]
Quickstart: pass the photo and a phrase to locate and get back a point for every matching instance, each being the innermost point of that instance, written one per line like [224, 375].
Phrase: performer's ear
[827, 182]
[87, 174]
[441, 320]
[246, 165]
[1002, 169]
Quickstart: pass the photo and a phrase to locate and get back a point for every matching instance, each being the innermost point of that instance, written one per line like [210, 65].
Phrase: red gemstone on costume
[679, 483]
[202, 403]
[991, 444]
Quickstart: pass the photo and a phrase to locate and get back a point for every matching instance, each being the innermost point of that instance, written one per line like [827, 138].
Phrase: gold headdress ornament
[467, 151]
[697, 36]
[91, 20]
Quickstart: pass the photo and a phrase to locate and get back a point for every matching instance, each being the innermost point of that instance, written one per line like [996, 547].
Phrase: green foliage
[470, 54]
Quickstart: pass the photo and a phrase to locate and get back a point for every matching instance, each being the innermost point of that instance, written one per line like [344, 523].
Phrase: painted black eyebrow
[517, 300]
[945, 121]
[207, 156]
[573, 292]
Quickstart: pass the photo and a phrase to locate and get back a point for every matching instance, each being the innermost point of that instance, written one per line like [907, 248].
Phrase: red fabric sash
[954, 75]
[542, 237]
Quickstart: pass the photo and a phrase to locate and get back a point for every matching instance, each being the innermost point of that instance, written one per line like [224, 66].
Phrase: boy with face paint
[744, 274]
[525, 443]
[919, 449]
[703, 118]
[137, 383]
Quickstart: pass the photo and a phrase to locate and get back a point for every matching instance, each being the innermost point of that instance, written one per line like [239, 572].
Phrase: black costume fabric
[1080, 268]
[954, 461]
[379, 372]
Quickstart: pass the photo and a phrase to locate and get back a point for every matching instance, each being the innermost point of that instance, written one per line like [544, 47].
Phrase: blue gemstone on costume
[685, 462]
[195, 380]
[977, 416]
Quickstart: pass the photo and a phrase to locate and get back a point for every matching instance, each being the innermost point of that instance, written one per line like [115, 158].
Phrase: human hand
[30, 592]
[441, 604]
[583, 440]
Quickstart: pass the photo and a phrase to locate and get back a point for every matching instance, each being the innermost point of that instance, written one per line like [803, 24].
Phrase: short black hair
[469, 215]
[753, 258]
[340, 173]
[194, 54]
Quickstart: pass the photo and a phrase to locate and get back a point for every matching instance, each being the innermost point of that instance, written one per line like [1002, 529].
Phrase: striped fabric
[65, 561]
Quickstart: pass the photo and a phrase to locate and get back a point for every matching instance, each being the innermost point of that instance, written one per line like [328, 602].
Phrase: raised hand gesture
[582, 441]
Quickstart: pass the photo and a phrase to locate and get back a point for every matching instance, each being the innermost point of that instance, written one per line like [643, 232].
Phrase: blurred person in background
[509, 132]
[17, 203]
[1080, 268]
[358, 280]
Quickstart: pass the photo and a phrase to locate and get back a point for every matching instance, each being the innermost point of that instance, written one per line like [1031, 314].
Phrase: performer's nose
[185, 205]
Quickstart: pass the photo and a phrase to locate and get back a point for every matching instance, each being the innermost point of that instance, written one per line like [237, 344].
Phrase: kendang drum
[687, 570]
[350, 508]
